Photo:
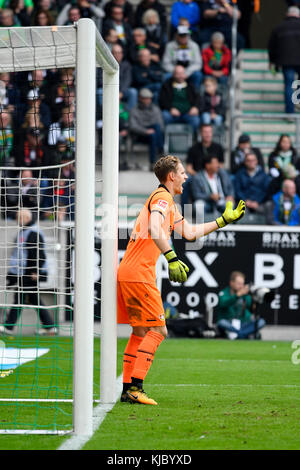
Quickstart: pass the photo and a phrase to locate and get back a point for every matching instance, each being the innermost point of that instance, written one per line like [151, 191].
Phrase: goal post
[81, 46]
[90, 46]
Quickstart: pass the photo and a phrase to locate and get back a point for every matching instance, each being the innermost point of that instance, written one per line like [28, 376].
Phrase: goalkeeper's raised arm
[193, 231]
[173, 181]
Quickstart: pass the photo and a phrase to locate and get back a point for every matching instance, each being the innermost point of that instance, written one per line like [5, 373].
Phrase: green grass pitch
[212, 394]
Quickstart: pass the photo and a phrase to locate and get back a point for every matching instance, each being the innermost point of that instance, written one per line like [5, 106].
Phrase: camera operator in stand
[235, 312]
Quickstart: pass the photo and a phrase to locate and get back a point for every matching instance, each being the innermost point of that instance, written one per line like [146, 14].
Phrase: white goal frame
[81, 46]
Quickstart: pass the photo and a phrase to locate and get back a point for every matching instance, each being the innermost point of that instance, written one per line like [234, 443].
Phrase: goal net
[57, 273]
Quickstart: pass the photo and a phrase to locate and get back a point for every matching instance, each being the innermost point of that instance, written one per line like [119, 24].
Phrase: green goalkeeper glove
[231, 215]
[177, 269]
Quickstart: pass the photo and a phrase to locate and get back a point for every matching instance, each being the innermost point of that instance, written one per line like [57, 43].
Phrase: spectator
[234, 310]
[8, 19]
[212, 109]
[37, 81]
[211, 188]
[128, 94]
[34, 112]
[283, 50]
[193, 34]
[65, 98]
[287, 172]
[25, 4]
[32, 120]
[6, 137]
[58, 195]
[128, 12]
[123, 130]
[28, 267]
[42, 18]
[30, 192]
[146, 123]
[179, 100]
[37, 112]
[51, 7]
[61, 153]
[188, 9]
[21, 12]
[145, 5]
[68, 15]
[67, 78]
[197, 155]
[185, 52]
[22, 192]
[238, 154]
[218, 16]
[67, 174]
[30, 150]
[251, 183]
[111, 38]
[67, 171]
[216, 59]
[138, 43]
[284, 208]
[201, 149]
[65, 126]
[147, 74]
[59, 199]
[10, 94]
[283, 154]
[155, 37]
[61, 93]
[116, 21]
[247, 8]
[87, 10]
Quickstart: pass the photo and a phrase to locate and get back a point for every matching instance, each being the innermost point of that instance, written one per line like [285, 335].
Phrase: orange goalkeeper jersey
[139, 261]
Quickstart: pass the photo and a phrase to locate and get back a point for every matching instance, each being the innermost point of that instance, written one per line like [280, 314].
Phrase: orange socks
[145, 354]
[130, 357]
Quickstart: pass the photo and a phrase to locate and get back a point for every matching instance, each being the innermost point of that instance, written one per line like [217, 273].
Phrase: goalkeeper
[139, 300]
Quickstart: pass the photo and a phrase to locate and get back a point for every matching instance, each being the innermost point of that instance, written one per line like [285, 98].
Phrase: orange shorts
[139, 304]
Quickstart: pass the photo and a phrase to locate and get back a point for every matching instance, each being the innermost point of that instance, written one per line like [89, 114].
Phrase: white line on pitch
[100, 412]
[225, 385]
[199, 359]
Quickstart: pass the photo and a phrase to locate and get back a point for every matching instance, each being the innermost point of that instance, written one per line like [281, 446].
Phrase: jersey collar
[163, 186]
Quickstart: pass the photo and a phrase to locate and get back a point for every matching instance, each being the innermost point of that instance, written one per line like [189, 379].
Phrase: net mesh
[37, 251]
[36, 352]
[38, 173]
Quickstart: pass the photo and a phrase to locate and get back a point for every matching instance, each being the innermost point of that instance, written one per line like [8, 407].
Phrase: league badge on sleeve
[162, 204]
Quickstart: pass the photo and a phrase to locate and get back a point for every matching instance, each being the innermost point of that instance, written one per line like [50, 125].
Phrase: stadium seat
[178, 139]
[137, 151]
[251, 218]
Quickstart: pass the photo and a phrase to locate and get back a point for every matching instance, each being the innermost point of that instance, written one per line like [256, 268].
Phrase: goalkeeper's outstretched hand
[177, 269]
[231, 215]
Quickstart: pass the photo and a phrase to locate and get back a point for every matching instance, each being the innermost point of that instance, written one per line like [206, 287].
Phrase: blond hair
[164, 166]
[148, 13]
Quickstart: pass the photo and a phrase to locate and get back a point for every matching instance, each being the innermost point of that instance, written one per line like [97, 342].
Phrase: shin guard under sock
[129, 359]
[145, 354]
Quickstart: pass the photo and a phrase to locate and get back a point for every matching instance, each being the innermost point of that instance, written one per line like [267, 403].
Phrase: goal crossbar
[47, 47]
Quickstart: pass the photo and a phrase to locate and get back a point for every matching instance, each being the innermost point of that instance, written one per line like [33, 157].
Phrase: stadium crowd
[174, 68]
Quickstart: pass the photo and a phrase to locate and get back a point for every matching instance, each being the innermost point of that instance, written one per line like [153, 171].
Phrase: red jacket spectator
[212, 61]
